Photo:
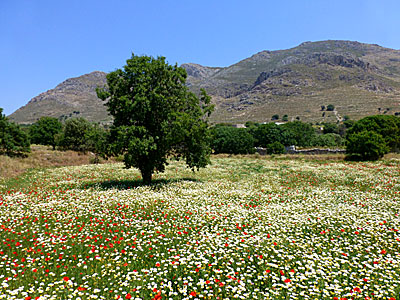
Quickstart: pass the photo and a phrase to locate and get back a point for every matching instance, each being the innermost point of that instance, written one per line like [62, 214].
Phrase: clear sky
[44, 42]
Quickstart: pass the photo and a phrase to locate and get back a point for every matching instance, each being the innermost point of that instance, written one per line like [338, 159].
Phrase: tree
[228, 139]
[275, 117]
[73, 137]
[44, 131]
[330, 107]
[267, 134]
[365, 145]
[156, 116]
[275, 148]
[386, 126]
[330, 128]
[13, 141]
[299, 133]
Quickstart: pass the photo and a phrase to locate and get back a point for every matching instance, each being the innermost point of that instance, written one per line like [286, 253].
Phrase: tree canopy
[44, 131]
[13, 141]
[156, 116]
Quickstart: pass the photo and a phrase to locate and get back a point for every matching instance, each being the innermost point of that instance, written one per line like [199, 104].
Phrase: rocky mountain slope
[358, 79]
[75, 97]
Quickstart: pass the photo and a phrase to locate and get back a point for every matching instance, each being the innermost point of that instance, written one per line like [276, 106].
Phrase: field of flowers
[247, 228]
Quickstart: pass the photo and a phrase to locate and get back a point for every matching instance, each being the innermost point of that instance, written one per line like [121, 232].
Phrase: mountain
[358, 79]
[75, 97]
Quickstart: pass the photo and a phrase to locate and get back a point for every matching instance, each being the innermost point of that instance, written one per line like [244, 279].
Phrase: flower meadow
[244, 227]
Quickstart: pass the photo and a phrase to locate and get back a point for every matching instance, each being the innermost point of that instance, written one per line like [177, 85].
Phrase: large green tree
[44, 131]
[155, 116]
[386, 126]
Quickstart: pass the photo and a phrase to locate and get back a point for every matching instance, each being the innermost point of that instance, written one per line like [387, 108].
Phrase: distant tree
[388, 127]
[275, 148]
[299, 133]
[13, 141]
[44, 131]
[328, 140]
[73, 136]
[330, 107]
[267, 134]
[285, 118]
[231, 140]
[365, 145]
[249, 124]
[96, 139]
[330, 128]
[275, 117]
[156, 116]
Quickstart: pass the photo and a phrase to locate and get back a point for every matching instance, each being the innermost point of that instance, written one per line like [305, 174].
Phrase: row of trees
[273, 137]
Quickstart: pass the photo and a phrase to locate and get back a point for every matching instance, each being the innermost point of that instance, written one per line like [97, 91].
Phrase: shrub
[365, 145]
[330, 107]
[275, 117]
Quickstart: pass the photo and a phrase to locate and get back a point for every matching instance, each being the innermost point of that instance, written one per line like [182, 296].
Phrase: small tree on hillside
[156, 116]
[330, 107]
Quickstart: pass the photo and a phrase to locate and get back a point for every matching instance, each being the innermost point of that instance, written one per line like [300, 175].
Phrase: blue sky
[43, 42]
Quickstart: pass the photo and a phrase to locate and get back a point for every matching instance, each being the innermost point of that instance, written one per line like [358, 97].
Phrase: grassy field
[245, 227]
[41, 157]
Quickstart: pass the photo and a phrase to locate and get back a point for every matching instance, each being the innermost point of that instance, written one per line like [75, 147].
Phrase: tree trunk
[146, 175]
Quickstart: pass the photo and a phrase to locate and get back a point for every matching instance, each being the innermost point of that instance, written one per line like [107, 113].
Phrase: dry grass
[41, 157]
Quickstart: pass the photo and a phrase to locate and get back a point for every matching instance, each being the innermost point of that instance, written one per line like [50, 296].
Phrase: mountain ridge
[358, 79]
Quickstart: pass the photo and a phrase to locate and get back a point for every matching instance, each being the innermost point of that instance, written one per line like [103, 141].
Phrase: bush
[365, 145]
[275, 148]
[275, 117]
[232, 140]
[330, 107]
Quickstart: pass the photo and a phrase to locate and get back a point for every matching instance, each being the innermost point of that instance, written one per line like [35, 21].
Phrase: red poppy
[66, 278]
[193, 294]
